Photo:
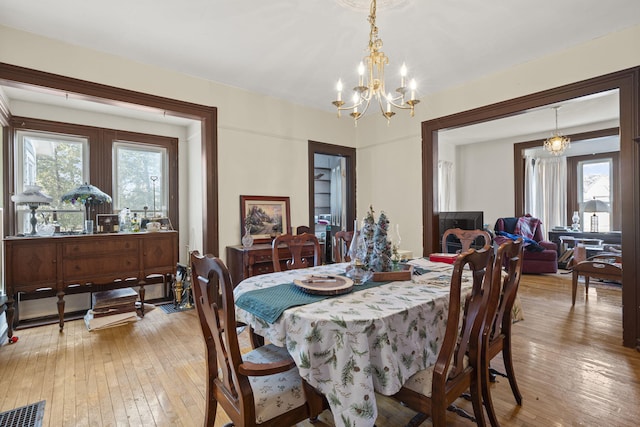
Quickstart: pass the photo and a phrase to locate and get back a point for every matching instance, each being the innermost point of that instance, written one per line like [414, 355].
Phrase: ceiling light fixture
[558, 143]
[372, 84]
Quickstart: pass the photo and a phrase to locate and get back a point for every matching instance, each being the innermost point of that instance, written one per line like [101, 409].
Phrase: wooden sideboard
[113, 260]
[247, 262]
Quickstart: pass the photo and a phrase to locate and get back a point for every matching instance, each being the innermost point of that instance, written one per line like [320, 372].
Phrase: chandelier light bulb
[339, 88]
[403, 75]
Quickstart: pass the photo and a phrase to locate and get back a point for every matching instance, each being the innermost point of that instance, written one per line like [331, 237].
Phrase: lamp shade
[86, 194]
[594, 205]
[31, 196]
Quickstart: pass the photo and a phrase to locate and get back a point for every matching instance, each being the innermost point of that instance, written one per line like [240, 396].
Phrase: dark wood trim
[13, 75]
[628, 83]
[350, 157]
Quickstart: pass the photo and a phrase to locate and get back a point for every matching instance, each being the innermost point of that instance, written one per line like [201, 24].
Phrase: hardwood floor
[570, 363]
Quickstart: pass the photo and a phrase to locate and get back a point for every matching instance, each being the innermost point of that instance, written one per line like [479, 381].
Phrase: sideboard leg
[61, 309]
[141, 293]
[10, 312]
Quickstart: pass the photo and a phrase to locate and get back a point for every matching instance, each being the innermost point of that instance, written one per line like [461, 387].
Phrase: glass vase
[247, 239]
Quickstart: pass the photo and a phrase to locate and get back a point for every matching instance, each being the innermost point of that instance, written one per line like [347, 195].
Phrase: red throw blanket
[526, 226]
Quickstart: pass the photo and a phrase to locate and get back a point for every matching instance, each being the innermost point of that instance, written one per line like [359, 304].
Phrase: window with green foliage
[58, 164]
[139, 171]
[140, 178]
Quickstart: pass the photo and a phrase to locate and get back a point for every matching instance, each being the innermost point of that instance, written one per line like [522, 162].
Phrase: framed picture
[107, 223]
[264, 217]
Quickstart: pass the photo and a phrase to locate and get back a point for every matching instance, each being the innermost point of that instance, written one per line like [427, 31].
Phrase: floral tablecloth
[351, 345]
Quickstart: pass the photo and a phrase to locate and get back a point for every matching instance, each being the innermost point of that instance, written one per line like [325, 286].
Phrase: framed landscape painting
[264, 217]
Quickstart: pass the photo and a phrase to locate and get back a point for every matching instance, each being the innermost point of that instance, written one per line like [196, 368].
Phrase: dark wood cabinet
[93, 260]
[247, 262]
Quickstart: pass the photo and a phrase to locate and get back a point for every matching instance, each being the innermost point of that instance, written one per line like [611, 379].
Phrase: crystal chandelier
[372, 84]
[557, 143]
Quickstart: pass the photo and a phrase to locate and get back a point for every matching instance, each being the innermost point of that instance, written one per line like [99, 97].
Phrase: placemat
[270, 303]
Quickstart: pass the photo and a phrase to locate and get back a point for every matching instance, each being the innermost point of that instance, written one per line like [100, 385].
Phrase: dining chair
[259, 388]
[457, 369]
[295, 244]
[466, 238]
[496, 335]
[341, 244]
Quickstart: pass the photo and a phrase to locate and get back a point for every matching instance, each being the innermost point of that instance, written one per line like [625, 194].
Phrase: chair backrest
[341, 244]
[302, 229]
[499, 312]
[466, 237]
[296, 244]
[213, 294]
[460, 341]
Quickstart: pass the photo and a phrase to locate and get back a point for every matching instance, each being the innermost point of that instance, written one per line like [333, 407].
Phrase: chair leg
[574, 287]
[486, 397]
[476, 399]
[255, 339]
[508, 365]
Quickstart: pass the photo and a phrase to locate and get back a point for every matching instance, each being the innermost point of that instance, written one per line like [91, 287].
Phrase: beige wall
[262, 141]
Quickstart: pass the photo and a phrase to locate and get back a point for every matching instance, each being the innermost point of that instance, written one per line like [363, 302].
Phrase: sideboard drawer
[99, 246]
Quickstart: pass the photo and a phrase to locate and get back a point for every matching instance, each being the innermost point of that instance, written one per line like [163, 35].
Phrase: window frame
[151, 148]
[573, 185]
[100, 143]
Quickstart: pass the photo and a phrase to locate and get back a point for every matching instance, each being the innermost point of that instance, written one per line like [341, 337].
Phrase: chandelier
[371, 85]
[557, 143]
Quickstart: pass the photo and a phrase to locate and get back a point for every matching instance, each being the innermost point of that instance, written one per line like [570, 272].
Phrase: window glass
[140, 178]
[595, 182]
[58, 164]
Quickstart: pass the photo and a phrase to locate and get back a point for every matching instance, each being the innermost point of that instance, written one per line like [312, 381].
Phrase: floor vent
[27, 416]
[170, 308]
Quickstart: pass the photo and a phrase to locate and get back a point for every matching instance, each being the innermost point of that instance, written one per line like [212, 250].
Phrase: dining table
[350, 346]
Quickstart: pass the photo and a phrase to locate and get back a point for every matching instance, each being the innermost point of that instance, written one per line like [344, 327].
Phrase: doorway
[332, 187]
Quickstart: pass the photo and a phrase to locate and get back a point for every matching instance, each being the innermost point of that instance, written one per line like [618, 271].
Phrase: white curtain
[545, 194]
[445, 185]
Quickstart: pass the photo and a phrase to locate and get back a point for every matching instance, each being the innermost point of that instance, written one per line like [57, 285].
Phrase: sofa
[540, 255]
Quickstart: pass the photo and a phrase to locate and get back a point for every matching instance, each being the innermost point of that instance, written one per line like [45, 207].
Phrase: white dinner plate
[322, 284]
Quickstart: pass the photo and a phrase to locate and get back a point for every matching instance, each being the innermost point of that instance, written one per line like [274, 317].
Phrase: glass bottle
[135, 223]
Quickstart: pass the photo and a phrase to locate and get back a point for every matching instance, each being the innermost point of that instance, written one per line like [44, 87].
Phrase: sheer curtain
[445, 185]
[545, 194]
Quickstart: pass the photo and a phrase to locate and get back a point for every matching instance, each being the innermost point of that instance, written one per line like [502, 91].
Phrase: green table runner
[270, 303]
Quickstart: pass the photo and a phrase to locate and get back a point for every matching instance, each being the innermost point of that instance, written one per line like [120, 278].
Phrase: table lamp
[32, 197]
[88, 195]
[595, 206]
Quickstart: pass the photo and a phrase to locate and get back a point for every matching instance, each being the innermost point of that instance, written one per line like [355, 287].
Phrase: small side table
[596, 268]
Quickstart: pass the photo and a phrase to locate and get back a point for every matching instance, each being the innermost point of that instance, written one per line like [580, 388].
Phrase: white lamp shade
[31, 196]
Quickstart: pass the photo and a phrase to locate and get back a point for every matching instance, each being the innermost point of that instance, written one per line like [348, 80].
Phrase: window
[595, 181]
[57, 163]
[137, 170]
[595, 176]
[140, 178]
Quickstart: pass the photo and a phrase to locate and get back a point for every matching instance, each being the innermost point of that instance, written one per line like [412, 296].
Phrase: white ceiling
[296, 50]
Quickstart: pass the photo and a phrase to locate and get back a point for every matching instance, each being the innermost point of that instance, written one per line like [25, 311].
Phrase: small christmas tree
[381, 260]
[367, 231]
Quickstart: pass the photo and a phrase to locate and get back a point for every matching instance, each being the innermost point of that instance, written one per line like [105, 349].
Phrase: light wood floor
[570, 364]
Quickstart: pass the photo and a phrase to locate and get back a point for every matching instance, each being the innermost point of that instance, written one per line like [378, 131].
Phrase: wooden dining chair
[457, 367]
[259, 388]
[341, 244]
[466, 238]
[296, 244]
[496, 336]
